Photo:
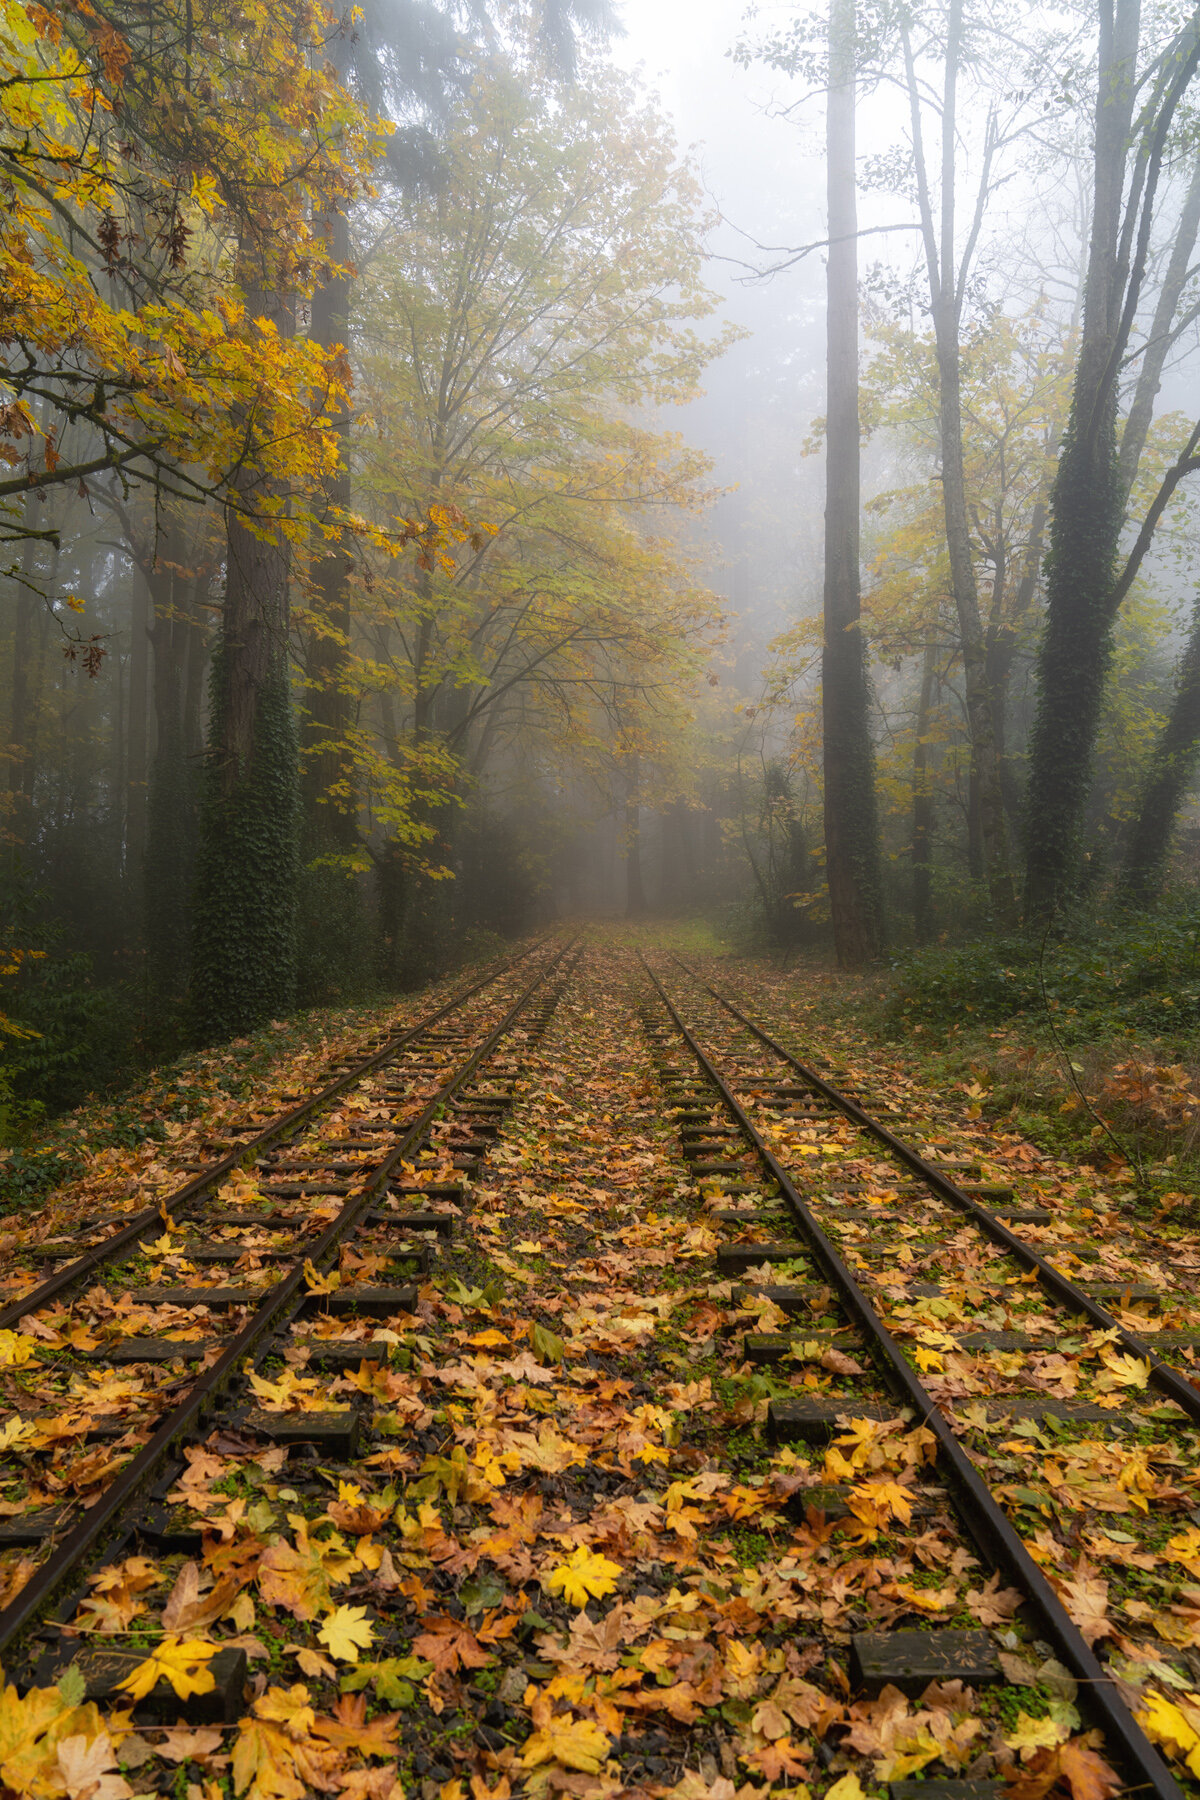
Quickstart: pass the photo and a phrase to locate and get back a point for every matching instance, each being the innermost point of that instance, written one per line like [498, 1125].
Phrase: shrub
[1117, 975]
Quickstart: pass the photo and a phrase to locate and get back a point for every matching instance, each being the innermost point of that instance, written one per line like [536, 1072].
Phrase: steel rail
[984, 1519]
[129, 1488]
[193, 1190]
[1168, 1380]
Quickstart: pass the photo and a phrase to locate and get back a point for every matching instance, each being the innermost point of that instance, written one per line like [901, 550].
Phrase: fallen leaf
[88, 1769]
[347, 1631]
[182, 1665]
[1029, 1735]
[575, 1743]
[180, 1743]
[582, 1577]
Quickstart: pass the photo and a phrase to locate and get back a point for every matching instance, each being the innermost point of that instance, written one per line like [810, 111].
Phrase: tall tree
[1084, 589]
[243, 934]
[1168, 778]
[409, 58]
[1177, 750]
[948, 273]
[851, 812]
[514, 330]
[331, 916]
[243, 961]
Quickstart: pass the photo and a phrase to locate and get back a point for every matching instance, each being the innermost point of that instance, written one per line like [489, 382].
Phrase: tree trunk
[1088, 500]
[171, 815]
[19, 824]
[25, 695]
[137, 744]
[327, 784]
[987, 833]
[1172, 766]
[922, 809]
[851, 815]
[197, 656]
[1154, 357]
[244, 963]
[332, 947]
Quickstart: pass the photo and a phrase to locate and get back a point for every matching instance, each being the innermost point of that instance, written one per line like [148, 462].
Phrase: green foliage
[1087, 511]
[65, 1035]
[1140, 974]
[26, 1176]
[335, 960]
[244, 933]
[170, 851]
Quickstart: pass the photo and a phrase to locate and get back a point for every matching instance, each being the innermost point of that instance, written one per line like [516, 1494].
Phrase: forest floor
[572, 1569]
[116, 1153]
[1123, 1104]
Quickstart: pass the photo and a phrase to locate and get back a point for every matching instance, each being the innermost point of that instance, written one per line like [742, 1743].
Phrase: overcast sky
[754, 166]
[762, 174]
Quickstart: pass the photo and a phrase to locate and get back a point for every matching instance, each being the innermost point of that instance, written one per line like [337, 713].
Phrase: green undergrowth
[1089, 1047]
[1107, 977]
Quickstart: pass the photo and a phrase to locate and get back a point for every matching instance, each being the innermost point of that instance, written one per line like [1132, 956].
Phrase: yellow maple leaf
[583, 1577]
[1122, 1371]
[928, 1600]
[575, 1743]
[875, 1502]
[183, 1665]
[1028, 1735]
[848, 1788]
[288, 1707]
[1184, 1548]
[16, 1349]
[914, 1749]
[1164, 1723]
[347, 1631]
[15, 1431]
[1135, 1478]
[859, 1438]
[318, 1283]
[927, 1360]
[290, 1392]
[263, 1763]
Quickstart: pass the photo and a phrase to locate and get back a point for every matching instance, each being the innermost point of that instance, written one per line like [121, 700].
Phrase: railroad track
[963, 1310]
[550, 1493]
[369, 1173]
[92, 1241]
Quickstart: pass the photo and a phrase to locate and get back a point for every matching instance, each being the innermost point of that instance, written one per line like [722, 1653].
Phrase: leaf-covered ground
[567, 1558]
[119, 1155]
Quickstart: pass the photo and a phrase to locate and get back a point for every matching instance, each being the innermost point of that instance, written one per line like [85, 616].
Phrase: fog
[491, 491]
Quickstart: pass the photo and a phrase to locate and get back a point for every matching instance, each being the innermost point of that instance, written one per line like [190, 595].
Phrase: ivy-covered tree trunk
[332, 937]
[244, 937]
[851, 812]
[1090, 487]
[1172, 768]
[171, 808]
[1085, 517]
[138, 749]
